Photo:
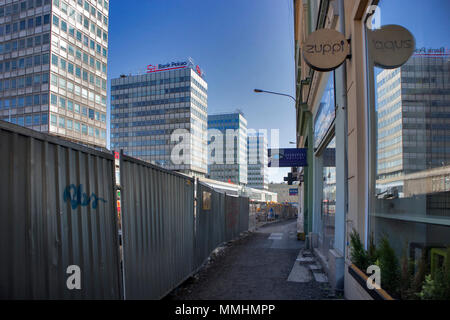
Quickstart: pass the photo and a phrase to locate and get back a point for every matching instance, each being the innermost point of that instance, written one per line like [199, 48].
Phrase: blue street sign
[285, 158]
[293, 192]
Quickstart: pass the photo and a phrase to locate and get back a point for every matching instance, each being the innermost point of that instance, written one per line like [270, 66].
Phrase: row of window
[77, 108]
[25, 62]
[70, 124]
[77, 90]
[158, 152]
[151, 102]
[200, 106]
[24, 101]
[24, 24]
[25, 81]
[390, 98]
[149, 83]
[149, 93]
[199, 95]
[145, 123]
[78, 35]
[23, 6]
[35, 119]
[76, 70]
[150, 113]
[140, 143]
[199, 85]
[15, 45]
[70, 11]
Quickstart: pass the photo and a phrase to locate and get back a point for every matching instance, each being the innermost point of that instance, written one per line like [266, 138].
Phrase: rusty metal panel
[232, 208]
[57, 209]
[210, 222]
[244, 209]
[158, 228]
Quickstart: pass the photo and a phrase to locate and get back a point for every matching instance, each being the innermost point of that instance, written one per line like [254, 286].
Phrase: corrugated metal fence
[158, 228]
[220, 218]
[57, 210]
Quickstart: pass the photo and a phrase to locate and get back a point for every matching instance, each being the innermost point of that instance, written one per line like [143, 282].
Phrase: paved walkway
[264, 265]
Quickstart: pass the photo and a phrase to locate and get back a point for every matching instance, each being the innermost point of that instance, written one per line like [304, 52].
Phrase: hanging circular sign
[390, 46]
[325, 49]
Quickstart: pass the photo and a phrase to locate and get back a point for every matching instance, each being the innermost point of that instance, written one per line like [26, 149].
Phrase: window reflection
[328, 197]
[409, 115]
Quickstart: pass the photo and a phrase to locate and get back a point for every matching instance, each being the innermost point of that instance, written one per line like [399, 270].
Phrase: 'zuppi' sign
[325, 49]
[390, 46]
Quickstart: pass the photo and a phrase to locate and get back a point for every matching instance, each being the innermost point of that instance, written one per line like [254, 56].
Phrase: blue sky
[240, 44]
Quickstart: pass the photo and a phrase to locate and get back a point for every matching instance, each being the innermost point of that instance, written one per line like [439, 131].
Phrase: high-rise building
[412, 116]
[257, 157]
[230, 163]
[53, 67]
[149, 111]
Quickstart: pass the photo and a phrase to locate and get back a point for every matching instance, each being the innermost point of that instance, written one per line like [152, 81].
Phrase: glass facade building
[232, 163]
[258, 173]
[147, 109]
[413, 126]
[53, 67]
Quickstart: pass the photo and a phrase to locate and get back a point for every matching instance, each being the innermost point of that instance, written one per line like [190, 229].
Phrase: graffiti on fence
[77, 197]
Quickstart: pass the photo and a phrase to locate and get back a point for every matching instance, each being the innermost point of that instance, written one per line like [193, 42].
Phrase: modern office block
[231, 165]
[53, 67]
[148, 110]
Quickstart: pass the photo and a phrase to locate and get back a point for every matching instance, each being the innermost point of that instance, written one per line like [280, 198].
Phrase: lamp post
[277, 93]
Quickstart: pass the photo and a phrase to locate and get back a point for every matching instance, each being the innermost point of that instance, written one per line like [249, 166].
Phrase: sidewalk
[259, 266]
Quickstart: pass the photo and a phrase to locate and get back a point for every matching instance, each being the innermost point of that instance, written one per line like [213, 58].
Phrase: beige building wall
[355, 12]
[282, 190]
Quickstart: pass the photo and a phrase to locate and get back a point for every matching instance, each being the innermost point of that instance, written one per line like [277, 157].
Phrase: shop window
[409, 146]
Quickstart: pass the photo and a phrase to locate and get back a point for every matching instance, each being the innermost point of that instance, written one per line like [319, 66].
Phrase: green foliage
[390, 271]
[372, 253]
[358, 255]
[439, 287]
[406, 276]
[419, 277]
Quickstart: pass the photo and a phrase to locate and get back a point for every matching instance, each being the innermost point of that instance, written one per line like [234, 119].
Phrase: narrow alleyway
[264, 265]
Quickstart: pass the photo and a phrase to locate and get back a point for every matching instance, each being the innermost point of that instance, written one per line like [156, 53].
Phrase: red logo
[151, 68]
[199, 71]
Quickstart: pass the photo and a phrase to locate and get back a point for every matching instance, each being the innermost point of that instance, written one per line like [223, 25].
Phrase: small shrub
[358, 255]
[390, 271]
[439, 287]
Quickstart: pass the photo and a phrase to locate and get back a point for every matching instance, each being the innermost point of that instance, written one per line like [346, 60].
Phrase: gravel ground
[253, 267]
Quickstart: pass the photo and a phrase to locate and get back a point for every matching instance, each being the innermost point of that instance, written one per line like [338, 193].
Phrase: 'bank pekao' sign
[325, 49]
[173, 66]
[390, 46]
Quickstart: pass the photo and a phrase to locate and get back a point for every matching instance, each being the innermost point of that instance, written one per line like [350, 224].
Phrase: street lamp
[271, 92]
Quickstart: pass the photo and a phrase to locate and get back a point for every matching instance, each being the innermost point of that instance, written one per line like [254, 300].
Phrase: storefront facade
[377, 132]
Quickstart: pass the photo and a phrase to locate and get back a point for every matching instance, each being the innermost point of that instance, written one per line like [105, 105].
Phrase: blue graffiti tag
[77, 197]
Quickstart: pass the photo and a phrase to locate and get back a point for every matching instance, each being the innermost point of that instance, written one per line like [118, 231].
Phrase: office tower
[53, 67]
[257, 174]
[148, 110]
[230, 163]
